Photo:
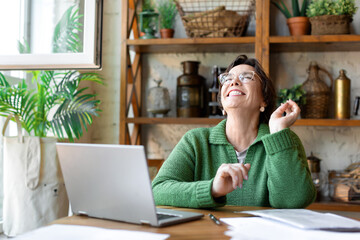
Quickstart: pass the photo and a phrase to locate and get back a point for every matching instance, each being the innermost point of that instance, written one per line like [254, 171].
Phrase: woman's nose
[235, 82]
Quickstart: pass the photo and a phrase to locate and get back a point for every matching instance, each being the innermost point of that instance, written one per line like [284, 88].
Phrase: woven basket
[330, 24]
[215, 18]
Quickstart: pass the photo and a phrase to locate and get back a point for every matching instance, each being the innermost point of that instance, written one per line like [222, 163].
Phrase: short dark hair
[267, 86]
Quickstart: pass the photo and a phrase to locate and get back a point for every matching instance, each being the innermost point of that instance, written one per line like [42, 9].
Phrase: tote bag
[34, 190]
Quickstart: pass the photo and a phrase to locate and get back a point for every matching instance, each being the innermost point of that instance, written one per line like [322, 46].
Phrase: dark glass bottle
[190, 91]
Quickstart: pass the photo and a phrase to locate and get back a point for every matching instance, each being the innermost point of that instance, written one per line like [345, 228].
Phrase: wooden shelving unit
[262, 44]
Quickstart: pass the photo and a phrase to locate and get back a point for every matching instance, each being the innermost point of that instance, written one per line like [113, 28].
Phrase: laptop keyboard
[162, 216]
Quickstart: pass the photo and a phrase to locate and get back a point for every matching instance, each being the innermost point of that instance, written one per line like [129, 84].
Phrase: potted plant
[331, 16]
[298, 22]
[296, 93]
[167, 10]
[59, 103]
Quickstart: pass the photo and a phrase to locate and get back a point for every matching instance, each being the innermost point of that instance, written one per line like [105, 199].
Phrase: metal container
[314, 166]
[158, 100]
[190, 91]
[342, 96]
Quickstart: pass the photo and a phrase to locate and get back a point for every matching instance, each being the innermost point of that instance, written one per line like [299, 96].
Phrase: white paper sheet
[75, 232]
[307, 219]
[255, 228]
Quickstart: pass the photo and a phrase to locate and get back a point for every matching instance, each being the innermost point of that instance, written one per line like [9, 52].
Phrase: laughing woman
[251, 158]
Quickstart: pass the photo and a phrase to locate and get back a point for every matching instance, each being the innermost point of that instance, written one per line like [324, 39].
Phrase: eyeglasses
[245, 77]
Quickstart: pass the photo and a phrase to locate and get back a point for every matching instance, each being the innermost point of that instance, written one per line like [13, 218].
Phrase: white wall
[106, 127]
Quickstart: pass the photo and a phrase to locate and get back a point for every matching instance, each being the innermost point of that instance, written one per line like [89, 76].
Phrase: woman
[249, 159]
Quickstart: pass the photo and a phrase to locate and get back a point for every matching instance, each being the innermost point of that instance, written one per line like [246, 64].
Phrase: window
[33, 22]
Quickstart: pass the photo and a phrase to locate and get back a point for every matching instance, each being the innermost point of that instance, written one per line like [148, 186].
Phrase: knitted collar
[218, 136]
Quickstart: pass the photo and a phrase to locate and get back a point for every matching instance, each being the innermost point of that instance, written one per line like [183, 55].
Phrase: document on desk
[307, 219]
[292, 224]
[257, 228]
[72, 232]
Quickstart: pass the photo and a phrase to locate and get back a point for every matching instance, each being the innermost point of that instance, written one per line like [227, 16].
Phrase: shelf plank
[328, 122]
[214, 121]
[315, 43]
[336, 206]
[169, 120]
[192, 45]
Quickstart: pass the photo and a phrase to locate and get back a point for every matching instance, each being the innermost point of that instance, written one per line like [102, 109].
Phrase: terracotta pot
[167, 33]
[298, 26]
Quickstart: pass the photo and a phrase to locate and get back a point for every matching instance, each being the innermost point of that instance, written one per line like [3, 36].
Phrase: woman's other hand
[279, 122]
[228, 178]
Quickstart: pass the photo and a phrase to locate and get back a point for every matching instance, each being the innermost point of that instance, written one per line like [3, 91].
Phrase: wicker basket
[330, 24]
[215, 18]
[317, 93]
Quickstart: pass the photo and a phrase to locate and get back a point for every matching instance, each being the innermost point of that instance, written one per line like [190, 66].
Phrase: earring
[224, 112]
[262, 109]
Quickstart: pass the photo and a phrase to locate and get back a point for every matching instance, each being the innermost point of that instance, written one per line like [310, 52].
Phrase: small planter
[330, 24]
[298, 26]
[167, 33]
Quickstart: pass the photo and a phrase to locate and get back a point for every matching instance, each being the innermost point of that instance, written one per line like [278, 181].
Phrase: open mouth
[235, 93]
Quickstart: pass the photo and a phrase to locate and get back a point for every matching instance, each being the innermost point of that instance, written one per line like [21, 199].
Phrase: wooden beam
[123, 72]
[265, 44]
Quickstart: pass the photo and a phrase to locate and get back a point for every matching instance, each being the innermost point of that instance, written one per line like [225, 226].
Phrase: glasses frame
[240, 77]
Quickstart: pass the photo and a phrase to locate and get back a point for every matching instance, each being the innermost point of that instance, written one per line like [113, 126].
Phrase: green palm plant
[66, 35]
[297, 12]
[58, 104]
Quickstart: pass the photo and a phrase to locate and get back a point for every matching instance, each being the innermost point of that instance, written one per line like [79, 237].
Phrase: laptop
[112, 182]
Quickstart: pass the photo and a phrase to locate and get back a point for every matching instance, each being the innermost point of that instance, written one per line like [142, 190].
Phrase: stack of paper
[292, 224]
[74, 232]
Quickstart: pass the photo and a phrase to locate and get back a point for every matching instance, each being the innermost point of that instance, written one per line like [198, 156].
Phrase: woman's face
[246, 96]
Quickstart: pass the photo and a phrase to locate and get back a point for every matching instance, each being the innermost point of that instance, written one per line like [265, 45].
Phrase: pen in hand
[215, 220]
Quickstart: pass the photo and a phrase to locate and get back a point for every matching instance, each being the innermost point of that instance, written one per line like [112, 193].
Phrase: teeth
[232, 93]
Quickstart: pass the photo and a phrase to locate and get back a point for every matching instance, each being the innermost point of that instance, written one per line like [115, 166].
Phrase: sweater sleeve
[174, 184]
[289, 179]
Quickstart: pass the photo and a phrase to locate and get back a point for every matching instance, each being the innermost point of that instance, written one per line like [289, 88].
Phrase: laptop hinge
[145, 222]
[82, 213]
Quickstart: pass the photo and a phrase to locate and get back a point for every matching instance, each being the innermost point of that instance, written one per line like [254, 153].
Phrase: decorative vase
[330, 24]
[298, 26]
[317, 93]
[190, 91]
[167, 33]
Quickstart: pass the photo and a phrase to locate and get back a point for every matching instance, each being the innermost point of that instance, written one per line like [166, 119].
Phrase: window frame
[90, 58]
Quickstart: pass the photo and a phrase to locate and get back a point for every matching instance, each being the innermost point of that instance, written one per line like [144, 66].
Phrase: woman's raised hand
[228, 178]
[279, 122]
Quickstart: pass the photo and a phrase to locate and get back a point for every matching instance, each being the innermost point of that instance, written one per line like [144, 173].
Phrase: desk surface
[199, 229]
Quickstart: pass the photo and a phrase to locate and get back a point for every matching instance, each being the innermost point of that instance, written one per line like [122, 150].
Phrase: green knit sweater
[279, 176]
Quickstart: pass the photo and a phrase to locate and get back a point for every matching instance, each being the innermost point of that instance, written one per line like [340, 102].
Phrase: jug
[317, 93]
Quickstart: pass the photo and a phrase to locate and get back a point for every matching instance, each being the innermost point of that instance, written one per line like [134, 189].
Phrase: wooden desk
[198, 229]
[204, 228]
